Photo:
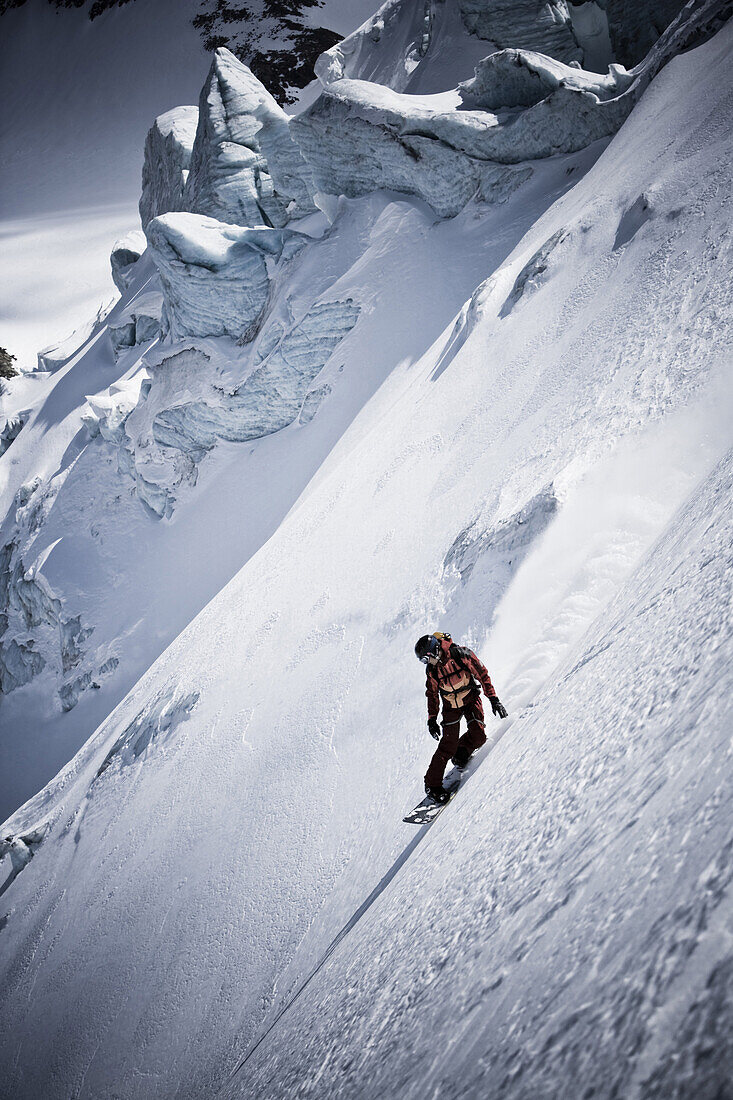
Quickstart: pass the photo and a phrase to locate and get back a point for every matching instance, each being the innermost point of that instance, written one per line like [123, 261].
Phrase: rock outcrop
[167, 158]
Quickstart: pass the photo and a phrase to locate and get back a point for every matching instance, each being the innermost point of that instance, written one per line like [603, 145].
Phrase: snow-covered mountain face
[448, 349]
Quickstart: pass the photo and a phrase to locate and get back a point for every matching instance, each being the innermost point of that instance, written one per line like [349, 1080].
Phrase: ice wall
[542, 25]
[123, 257]
[37, 632]
[407, 43]
[245, 167]
[271, 397]
[359, 136]
[215, 278]
[635, 25]
[167, 159]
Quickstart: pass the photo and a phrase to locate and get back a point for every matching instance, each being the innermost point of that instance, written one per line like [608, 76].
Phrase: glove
[498, 709]
[434, 728]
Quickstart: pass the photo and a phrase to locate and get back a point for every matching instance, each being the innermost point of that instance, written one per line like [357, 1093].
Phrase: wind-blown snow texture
[513, 424]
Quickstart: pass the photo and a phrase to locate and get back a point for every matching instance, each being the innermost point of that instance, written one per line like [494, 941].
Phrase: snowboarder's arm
[431, 691]
[477, 669]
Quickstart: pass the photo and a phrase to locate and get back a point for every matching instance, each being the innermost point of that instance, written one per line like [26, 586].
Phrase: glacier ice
[359, 136]
[155, 723]
[478, 141]
[163, 421]
[105, 413]
[386, 48]
[122, 417]
[19, 849]
[10, 432]
[245, 167]
[590, 28]
[72, 635]
[19, 854]
[634, 25]
[19, 663]
[137, 323]
[125, 254]
[406, 44]
[542, 25]
[122, 337]
[37, 633]
[273, 394]
[166, 162]
[214, 275]
[521, 78]
[71, 690]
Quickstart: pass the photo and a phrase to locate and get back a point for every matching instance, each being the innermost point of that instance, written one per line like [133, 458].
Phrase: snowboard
[427, 810]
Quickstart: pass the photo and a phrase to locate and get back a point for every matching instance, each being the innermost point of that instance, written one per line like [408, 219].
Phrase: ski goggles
[433, 651]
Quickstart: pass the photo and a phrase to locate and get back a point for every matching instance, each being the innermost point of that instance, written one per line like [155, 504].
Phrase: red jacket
[456, 663]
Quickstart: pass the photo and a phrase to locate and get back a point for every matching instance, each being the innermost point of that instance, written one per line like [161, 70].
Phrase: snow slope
[565, 928]
[143, 581]
[500, 473]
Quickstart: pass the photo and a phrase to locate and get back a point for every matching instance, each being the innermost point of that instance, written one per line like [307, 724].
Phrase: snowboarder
[455, 674]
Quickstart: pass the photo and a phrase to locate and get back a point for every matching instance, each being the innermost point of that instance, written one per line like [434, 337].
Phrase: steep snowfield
[407, 272]
[565, 928]
[506, 459]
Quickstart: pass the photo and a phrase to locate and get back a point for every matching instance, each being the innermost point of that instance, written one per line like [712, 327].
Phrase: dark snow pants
[473, 738]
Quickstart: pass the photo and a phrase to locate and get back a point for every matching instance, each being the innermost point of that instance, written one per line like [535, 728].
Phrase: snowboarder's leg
[446, 747]
[475, 735]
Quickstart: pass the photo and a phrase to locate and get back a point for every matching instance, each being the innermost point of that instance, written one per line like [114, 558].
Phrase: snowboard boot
[461, 759]
[437, 794]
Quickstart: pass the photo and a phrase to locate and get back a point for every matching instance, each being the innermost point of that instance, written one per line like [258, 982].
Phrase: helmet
[427, 646]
